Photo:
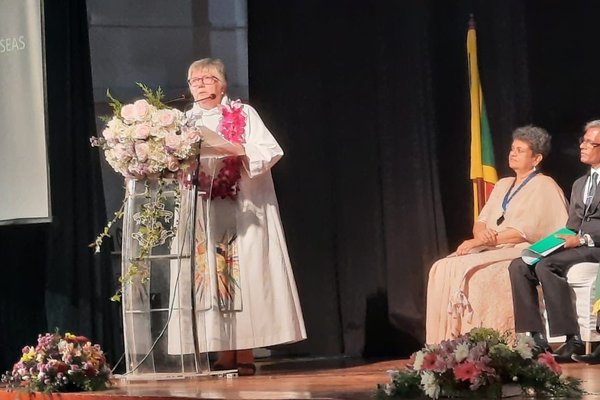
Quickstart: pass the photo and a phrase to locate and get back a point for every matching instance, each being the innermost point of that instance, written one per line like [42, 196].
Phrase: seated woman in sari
[471, 287]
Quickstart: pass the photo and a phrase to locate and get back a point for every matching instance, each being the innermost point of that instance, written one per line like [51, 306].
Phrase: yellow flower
[30, 356]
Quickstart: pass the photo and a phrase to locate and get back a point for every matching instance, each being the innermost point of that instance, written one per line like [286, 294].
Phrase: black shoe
[541, 344]
[592, 359]
[573, 346]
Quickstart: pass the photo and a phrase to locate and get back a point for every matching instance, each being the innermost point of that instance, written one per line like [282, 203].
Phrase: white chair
[582, 280]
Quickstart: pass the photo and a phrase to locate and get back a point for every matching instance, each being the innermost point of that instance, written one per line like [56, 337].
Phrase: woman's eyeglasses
[205, 80]
[586, 142]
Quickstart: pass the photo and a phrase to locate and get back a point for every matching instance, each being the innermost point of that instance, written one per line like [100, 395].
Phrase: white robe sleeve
[262, 150]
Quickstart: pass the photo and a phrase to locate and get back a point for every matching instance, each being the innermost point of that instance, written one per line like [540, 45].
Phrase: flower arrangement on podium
[146, 141]
[58, 363]
[480, 364]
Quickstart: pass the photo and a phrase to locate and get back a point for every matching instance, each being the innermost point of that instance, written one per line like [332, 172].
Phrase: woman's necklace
[509, 196]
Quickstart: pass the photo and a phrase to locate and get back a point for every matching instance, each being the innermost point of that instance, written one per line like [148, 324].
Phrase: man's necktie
[591, 191]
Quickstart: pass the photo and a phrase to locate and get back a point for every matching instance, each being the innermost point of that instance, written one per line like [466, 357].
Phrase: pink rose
[166, 117]
[173, 140]
[128, 112]
[108, 135]
[141, 109]
[141, 151]
[192, 136]
[142, 132]
[173, 164]
[120, 152]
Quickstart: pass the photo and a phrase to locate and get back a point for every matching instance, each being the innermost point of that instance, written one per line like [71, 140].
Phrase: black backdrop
[370, 102]
[51, 278]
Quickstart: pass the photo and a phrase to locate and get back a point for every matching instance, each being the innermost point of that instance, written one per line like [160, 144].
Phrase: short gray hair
[591, 124]
[537, 138]
[210, 63]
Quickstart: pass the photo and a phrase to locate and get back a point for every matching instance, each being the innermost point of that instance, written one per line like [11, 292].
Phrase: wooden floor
[331, 378]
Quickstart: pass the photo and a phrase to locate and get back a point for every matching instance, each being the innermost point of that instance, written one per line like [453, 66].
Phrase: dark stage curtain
[370, 102]
[56, 281]
[350, 99]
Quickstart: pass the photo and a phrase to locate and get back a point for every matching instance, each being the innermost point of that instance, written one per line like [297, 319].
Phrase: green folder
[545, 246]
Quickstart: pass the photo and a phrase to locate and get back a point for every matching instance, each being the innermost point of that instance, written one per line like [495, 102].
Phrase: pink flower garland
[233, 123]
[232, 126]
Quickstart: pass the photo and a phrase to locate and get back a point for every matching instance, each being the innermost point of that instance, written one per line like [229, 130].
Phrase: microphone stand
[195, 181]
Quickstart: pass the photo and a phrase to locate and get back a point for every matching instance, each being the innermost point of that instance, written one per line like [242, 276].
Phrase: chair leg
[588, 347]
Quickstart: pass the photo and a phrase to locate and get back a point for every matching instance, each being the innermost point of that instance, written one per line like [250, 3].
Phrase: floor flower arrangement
[480, 364]
[58, 363]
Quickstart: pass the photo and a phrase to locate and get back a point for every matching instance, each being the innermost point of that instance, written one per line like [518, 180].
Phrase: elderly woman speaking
[471, 287]
[247, 295]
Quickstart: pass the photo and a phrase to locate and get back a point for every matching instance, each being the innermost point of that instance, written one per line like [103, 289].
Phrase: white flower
[525, 346]
[392, 373]
[430, 385]
[419, 357]
[461, 352]
[388, 388]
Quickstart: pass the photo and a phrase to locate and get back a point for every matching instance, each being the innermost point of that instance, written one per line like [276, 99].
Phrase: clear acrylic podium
[161, 335]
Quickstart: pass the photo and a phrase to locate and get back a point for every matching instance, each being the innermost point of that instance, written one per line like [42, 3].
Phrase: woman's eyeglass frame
[206, 80]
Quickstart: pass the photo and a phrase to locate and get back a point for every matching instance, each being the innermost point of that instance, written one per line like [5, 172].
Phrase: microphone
[180, 98]
[184, 97]
[211, 97]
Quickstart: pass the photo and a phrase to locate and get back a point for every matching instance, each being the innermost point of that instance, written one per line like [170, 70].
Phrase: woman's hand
[466, 246]
[488, 237]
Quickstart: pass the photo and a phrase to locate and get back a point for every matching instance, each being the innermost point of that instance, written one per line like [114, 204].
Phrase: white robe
[269, 312]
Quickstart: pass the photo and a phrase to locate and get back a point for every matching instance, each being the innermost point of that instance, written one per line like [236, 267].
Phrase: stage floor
[320, 378]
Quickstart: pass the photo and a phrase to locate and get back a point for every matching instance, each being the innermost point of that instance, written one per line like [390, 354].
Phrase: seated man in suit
[584, 218]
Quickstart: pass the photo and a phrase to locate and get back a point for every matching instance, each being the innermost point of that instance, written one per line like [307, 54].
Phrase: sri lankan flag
[483, 170]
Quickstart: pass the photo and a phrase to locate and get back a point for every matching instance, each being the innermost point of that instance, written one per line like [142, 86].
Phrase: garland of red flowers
[232, 126]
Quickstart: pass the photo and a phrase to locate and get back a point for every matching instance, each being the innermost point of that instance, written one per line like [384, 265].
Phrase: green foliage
[115, 104]
[487, 335]
[153, 97]
[403, 386]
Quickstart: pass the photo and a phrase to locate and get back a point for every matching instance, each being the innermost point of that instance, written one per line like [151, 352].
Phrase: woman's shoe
[217, 366]
[246, 369]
